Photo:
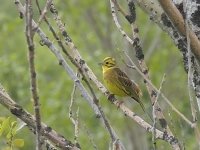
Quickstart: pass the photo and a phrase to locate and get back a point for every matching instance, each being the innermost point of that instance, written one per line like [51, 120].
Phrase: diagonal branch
[43, 13]
[178, 21]
[139, 54]
[82, 64]
[26, 117]
[157, 15]
[84, 67]
[69, 70]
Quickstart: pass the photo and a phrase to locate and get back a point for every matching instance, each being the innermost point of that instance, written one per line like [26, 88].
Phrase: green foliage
[8, 132]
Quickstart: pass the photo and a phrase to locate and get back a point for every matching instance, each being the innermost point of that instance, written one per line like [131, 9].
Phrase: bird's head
[107, 63]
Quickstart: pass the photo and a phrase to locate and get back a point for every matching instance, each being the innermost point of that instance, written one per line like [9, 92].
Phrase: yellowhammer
[118, 83]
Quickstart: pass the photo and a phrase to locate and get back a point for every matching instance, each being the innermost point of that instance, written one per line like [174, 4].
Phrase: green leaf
[14, 127]
[5, 126]
[18, 143]
[12, 130]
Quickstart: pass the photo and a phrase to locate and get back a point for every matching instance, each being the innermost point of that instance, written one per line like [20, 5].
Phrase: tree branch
[68, 69]
[26, 117]
[140, 56]
[84, 67]
[33, 77]
[178, 21]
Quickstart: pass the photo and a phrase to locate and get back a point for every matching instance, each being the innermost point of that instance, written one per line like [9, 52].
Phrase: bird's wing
[113, 77]
[130, 87]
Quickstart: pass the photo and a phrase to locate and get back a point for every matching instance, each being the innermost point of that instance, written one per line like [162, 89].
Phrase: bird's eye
[106, 62]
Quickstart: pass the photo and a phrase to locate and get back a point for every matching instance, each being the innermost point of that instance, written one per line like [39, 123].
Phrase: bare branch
[26, 117]
[33, 75]
[82, 64]
[194, 112]
[178, 21]
[43, 13]
[68, 69]
[74, 121]
[139, 54]
[189, 66]
[154, 112]
[163, 96]
[87, 70]
[79, 62]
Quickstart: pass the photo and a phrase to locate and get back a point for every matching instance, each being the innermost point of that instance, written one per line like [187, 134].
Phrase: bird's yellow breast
[111, 82]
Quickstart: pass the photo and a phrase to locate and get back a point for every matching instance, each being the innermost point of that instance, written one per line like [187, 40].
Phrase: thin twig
[29, 119]
[33, 78]
[190, 69]
[117, 22]
[138, 48]
[119, 8]
[131, 17]
[43, 13]
[77, 128]
[71, 104]
[156, 13]
[154, 115]
[134, 66]
[68, 69]
[83, 66]
[162, 95]
[69, 42]
[88, 71]
[74, 121]
[189, 65]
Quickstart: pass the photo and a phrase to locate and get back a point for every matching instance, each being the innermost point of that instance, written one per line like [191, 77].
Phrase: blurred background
[91, 27]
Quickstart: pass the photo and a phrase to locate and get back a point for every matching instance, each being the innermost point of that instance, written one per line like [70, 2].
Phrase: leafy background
[91, 27]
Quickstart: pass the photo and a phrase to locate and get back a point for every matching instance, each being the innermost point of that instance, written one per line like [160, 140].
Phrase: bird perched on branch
[118, 83]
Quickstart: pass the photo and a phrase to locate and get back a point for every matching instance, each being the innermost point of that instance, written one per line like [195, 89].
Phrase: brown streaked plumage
[118, 83]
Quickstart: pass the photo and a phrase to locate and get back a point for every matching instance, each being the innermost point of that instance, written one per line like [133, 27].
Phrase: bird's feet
[111, 97]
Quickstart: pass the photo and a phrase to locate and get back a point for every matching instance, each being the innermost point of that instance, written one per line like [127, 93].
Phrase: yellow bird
[118, 83]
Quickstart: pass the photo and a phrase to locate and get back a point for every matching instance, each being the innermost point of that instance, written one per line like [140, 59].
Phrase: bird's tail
[143, 108]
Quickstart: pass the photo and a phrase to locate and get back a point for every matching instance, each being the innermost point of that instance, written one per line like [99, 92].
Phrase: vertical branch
[82, 63]
[33, 79]
[178, 21]
[154, 114]
[75, 122]
[163, 96]
[190, 69]
[189, 64]
[57, 139]
[131, 17]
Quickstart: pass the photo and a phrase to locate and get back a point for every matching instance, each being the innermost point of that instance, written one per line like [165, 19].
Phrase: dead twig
[154, 115]
[33, 77]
